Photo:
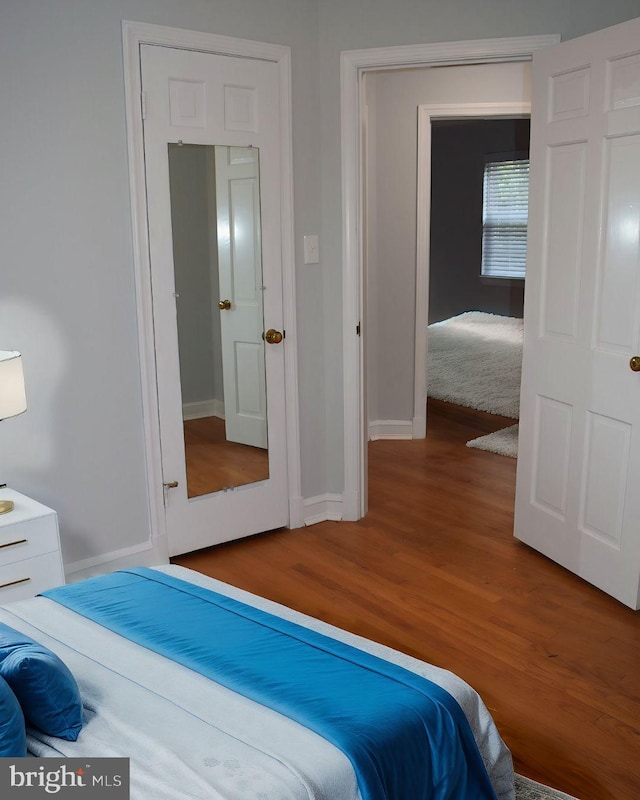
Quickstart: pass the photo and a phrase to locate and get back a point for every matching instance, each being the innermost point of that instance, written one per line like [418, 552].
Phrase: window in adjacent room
[505, 207]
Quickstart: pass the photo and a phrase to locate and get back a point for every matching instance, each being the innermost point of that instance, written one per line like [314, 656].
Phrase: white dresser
[30, 558]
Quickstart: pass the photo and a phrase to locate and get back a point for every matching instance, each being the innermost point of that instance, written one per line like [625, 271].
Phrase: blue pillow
[46, 690]
[13, 738]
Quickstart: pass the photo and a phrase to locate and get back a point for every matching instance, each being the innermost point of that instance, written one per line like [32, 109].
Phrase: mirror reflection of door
[215, 216]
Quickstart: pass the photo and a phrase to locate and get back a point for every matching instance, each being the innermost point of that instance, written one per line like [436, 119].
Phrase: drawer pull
[13, 583]
[10, 544]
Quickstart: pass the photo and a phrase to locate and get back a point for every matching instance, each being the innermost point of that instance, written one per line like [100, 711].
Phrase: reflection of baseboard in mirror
[213, 463]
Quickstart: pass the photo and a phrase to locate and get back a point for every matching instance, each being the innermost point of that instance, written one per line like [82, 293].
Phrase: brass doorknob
[635, 363]
[224, 305]
[273, 336]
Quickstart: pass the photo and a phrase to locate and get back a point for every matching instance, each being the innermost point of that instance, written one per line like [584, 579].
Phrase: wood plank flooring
[433, 570]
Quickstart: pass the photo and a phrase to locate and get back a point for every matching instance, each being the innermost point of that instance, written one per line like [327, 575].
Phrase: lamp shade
[12, 394]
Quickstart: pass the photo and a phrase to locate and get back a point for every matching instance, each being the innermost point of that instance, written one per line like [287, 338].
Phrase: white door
[240, 284]
[200, 100]
[578, 483]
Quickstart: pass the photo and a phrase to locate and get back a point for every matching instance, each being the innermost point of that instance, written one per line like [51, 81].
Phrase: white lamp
[13, 399]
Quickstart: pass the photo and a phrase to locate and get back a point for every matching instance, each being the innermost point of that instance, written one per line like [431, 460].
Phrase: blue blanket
[407, 738]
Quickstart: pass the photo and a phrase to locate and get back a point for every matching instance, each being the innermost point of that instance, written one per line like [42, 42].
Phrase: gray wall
[67, 287]
[458, 150]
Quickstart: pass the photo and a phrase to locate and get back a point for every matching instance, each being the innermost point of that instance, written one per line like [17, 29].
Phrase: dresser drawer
[27, 539]
[26, 578]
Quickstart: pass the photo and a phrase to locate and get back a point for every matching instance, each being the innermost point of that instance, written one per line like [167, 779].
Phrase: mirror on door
[215, 217]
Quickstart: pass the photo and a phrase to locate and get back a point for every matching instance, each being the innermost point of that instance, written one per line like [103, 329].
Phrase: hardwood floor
[433, 570]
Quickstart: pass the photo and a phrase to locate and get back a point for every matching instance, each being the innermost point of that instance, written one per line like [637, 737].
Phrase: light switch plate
[311, 250]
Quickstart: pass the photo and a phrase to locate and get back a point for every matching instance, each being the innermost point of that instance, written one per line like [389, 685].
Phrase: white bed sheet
[188, 737]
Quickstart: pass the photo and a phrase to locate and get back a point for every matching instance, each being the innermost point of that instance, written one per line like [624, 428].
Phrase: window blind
[505, 209]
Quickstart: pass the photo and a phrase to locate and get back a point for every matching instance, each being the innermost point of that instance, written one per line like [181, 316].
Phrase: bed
[190, 737]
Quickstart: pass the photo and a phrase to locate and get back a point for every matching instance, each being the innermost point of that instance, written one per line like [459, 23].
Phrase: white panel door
[240, 283]
[196, 98]
[577, 496]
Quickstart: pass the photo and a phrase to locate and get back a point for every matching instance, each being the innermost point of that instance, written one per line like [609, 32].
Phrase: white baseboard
[419, 427]
[203, 408]
[296, 512]
[350, 507]
[145, 554]
[322, 508]
[390, 429]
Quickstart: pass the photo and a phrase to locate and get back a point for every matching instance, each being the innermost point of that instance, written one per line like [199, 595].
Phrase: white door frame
[353, 65]
[134, 35]
[426, 114]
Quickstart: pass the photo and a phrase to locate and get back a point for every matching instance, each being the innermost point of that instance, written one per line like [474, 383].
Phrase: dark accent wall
[458, 150]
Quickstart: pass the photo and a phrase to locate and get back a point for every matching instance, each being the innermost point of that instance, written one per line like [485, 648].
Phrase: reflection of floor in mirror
[213, 463]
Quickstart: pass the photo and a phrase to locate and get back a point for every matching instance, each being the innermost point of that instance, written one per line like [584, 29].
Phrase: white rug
[475, 360]
[504, 442]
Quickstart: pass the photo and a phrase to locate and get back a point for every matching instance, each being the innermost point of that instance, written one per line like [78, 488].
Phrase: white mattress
[188, 737]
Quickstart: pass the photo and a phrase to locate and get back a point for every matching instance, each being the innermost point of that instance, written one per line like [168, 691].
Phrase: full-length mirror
[215, 217]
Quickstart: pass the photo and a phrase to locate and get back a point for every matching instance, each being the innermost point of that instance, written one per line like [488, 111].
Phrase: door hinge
[143, 104]
[358, 329]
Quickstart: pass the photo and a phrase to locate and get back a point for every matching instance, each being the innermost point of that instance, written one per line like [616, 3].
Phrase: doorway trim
[426, 114]
[134, 35]
[353, 66]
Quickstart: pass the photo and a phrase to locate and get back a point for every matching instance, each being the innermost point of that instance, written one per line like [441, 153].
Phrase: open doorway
[357, 67]
[479, 180]
[401, 107]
